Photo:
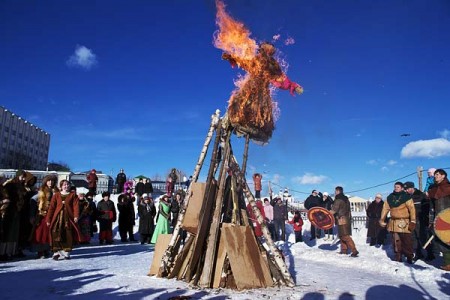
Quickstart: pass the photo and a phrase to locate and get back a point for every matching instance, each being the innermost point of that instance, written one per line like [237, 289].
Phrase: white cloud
[427, 148]
[444, 133]
[372, 162]
[82, 58]
[277, 178]
[391, 162]
[384, 169]
[310, 178]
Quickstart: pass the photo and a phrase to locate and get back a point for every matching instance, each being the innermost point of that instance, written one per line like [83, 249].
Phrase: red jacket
[297, 225]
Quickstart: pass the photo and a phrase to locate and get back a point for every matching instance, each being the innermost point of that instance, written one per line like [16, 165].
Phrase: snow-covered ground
[120, 270]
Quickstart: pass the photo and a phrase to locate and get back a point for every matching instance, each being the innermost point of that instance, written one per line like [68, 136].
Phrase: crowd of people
[407, 217]
[54, 218]
[51, 219]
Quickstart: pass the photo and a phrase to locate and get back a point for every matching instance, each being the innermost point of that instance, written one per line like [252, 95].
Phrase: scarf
[396, 199]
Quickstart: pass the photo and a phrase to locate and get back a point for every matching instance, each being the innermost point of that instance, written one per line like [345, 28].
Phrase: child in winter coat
[297, 223]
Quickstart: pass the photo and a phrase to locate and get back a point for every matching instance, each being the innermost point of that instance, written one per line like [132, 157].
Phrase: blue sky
[132, 84]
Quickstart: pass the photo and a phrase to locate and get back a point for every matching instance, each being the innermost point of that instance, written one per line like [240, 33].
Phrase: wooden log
[206, 277]
[161, 244]
[247, 264]
[197, 250]
[274, 253]
[180, 258]
[245, 157]
[167, 259]
[206, 211]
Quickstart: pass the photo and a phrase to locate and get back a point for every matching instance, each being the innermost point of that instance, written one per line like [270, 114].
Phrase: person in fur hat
[41, 235]
[92, 181]
[147, 212]
[87, 214]
[15, 226]
[125, 206]
[62, 219]
[106, 217]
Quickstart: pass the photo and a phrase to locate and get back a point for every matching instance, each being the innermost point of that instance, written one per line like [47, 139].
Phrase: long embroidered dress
[163, 224]
[63, 231]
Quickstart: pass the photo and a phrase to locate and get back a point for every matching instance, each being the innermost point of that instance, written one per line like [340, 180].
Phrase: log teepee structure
[221, 248]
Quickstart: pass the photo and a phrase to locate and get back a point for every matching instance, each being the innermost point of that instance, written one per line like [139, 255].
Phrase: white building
[104, 183]
[22, 144]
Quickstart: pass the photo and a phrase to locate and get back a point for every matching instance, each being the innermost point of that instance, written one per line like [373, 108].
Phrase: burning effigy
[250, 107]
[228, 244]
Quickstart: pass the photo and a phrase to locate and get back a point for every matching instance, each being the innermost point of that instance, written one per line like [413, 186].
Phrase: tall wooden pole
[206, 277]
[420, 176]
[167, 259]
[244, 160]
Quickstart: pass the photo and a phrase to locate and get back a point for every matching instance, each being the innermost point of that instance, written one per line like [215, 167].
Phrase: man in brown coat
[402, 222]
[341, 209]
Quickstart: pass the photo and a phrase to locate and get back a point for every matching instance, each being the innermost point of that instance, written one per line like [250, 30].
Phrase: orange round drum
[442, 226]
[321, 217]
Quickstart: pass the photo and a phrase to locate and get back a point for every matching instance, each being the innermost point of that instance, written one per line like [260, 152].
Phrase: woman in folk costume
[163, 219]
[106, 217]
[62, 218]
[41, 234]
[87, 210]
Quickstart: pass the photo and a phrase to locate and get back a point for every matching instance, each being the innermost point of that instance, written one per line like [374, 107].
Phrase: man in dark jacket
[148, 187]
[375, 232]
[418, 198]
[125, 207]
[313, 200]
[279, 218]
[327, 203]
[120, 181]
[139, 190]
[342, 211]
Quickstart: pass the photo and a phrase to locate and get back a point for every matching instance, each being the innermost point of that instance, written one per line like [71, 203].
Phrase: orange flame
[232, 36]
[250, 108]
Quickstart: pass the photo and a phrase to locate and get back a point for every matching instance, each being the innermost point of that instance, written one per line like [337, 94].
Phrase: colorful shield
[442, 226]
[321, 218]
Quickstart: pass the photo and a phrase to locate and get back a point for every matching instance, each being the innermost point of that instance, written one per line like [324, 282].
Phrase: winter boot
[65, 254]
[355, 254]
[446, 268]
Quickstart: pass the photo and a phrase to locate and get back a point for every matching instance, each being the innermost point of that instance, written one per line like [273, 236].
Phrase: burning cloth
[250, 107]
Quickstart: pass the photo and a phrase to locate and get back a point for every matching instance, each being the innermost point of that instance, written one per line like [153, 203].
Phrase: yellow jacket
[401, 216]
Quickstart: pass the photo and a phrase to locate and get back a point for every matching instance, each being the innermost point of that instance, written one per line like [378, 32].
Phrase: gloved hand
[411, 226]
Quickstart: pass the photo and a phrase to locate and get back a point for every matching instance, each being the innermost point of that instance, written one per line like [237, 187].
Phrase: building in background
[105, 182]
[22, 144]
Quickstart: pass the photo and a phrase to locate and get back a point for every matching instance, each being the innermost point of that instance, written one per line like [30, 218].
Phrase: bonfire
[221, 249]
